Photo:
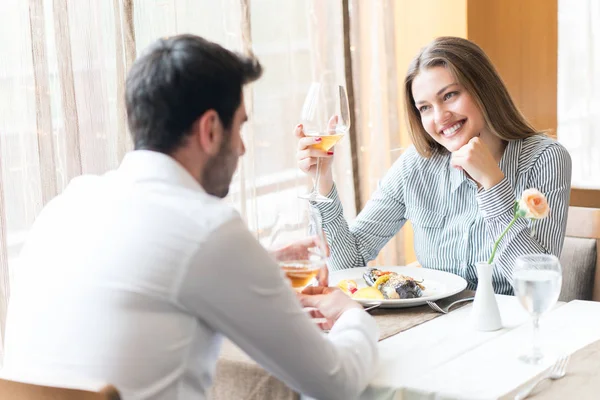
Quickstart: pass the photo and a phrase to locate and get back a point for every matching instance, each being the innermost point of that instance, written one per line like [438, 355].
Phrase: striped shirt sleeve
[551, 175]
[381, 218]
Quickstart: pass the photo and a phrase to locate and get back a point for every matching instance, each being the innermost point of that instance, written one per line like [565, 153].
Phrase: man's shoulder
[189, 210]
[212, 211]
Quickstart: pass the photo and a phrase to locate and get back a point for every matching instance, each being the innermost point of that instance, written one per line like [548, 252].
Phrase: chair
[14, 390]
[581, 255]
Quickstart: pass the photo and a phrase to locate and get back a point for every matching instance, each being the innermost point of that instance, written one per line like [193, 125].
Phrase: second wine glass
[325, 114]
[305, 250]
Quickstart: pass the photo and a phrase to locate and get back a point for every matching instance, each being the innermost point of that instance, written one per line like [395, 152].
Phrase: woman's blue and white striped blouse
[454, 223]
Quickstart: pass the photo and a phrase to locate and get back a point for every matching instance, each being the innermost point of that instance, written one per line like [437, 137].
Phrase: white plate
[438, 284]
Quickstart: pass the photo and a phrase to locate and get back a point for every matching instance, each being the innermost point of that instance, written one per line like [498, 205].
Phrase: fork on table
[557, 371]
[370, 306]
[445, 310]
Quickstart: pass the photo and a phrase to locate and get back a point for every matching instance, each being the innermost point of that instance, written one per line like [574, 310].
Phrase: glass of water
[537, 279]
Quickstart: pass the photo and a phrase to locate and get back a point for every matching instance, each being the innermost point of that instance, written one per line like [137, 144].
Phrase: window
[579, 88]
[62, 110]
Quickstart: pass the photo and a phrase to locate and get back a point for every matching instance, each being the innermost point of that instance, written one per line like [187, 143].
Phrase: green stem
[500, 238]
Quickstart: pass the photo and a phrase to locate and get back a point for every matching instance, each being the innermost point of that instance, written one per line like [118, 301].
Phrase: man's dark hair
[177, 80]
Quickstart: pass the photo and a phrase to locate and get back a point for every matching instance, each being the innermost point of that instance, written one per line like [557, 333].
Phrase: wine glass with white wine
[537, 279]
[301, 263]
[325, 114]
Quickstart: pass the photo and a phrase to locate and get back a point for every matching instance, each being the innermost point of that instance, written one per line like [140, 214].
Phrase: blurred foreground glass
[305, 250]
[537, 279]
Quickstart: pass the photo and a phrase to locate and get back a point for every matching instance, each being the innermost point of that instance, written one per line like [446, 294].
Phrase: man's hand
[330, 303]
[300, 250]
[476, 160]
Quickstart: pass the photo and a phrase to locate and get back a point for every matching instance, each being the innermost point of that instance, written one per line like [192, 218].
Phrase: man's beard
[219, 170]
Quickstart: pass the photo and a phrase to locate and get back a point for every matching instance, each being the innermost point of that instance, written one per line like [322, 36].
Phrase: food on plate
[383, 285]
[348, 286]
[393, 285]
[369, 293]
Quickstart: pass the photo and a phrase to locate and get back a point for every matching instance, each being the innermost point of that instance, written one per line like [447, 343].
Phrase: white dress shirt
[133, 278]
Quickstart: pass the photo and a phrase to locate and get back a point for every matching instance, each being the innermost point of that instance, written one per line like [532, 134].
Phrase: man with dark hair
[134, 277]
[179, 80]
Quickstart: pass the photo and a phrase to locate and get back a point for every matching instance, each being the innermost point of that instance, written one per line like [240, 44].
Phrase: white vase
[485, 314]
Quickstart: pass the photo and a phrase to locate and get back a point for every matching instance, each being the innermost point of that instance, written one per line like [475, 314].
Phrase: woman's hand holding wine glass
[308, 155]
[325, 120]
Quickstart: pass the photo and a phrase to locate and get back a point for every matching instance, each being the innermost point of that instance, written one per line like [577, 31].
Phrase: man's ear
[208, 132]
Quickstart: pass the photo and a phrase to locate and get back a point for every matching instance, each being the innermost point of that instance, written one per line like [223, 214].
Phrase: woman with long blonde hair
[473, 154]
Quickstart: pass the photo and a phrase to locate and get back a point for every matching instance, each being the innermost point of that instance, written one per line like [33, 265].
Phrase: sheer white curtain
[62, 111]
[579, 87]
[379, 123]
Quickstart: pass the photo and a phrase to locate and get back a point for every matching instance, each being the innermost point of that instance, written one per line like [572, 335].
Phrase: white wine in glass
[325, 114]
[302, 264]
[301, 272]
[327, 141]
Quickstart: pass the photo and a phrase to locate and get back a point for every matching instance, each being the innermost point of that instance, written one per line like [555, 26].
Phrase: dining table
[443, 357]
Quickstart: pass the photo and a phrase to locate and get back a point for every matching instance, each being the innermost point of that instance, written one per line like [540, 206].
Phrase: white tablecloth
[447, 359]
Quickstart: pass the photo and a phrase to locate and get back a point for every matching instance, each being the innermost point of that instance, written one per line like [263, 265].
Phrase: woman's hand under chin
[476, 160]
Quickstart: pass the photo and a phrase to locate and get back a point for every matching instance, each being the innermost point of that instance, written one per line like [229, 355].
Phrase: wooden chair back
[14, 390]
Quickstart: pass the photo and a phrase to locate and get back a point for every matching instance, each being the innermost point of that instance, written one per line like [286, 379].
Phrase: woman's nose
[441, 115]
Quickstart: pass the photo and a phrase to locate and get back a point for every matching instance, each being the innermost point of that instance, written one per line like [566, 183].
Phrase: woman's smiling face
[448, 112]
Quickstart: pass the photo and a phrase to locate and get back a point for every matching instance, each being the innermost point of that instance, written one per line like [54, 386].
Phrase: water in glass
[537, 279]
[537, 290]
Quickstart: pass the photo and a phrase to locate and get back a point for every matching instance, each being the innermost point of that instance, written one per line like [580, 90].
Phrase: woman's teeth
[453, 128]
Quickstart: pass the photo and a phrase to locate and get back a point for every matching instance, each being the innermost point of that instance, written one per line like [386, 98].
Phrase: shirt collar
[146, 165]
